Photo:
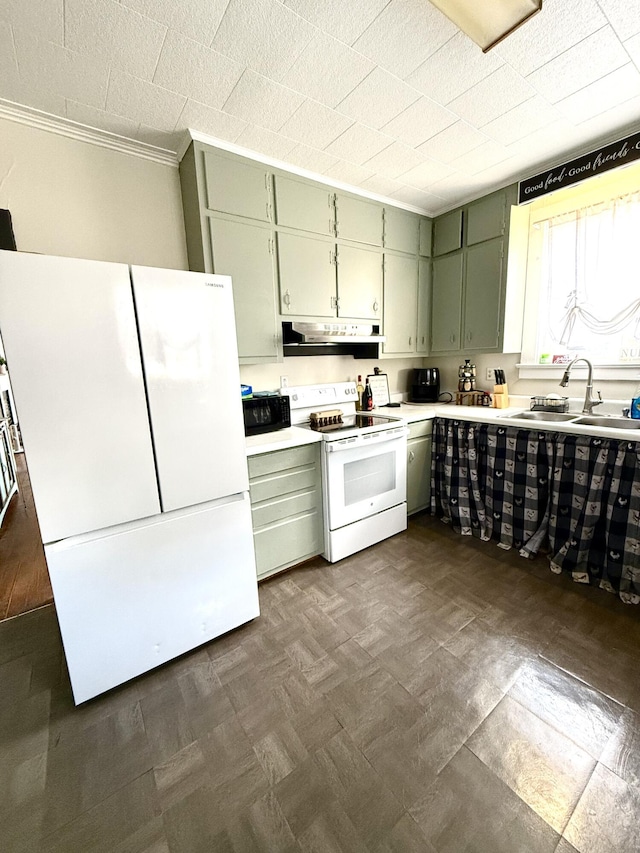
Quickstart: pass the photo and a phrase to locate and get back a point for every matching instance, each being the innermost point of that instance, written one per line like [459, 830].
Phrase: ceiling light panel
[488, 23]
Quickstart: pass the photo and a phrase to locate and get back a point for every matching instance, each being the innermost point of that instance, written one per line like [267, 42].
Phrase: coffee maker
[425, 385]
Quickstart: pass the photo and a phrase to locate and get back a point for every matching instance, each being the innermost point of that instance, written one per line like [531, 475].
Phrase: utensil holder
[500, 396]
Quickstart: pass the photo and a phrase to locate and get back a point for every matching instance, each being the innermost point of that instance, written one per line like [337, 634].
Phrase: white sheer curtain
[591, 280]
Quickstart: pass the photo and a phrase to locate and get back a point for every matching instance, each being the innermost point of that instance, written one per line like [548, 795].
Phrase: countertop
[412, 412]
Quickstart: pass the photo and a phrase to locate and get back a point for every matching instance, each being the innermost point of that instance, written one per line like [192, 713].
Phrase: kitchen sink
[604, 421]
[545, 416]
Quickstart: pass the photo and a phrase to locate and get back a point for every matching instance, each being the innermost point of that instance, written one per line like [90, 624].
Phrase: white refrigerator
[127, 388]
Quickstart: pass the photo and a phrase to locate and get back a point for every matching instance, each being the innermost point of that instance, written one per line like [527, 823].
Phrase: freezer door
[69, 330]
[135, 597]
[190, 354]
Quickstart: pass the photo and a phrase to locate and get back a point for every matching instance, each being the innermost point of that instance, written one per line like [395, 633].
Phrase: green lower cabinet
[286, 507]
[419, 466]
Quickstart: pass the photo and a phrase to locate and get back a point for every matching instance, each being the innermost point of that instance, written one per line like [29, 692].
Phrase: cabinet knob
[412, 456]
[410, 340]
[375, 306]
[452, 338]
[286, 298]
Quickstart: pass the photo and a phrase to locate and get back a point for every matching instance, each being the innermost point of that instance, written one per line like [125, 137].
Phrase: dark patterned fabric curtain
[579, 496]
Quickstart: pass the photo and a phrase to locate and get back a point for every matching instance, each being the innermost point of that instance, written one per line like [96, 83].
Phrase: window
[583, 277]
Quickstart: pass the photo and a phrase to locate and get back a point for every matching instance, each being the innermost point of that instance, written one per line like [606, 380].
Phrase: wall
[73, 198]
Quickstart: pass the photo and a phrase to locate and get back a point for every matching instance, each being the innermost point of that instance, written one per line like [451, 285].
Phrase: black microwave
[265, 414]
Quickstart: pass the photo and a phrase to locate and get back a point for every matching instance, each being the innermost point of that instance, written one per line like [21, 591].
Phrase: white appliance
[364, 468]
[127, 387]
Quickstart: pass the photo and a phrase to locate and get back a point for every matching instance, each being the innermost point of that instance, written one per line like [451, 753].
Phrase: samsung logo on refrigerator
[213, 284]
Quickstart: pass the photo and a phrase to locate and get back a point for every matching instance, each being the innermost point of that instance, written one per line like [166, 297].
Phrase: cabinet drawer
[280, 460]
[418, 428]
[282, 483]
[276, 510]
[288, 543]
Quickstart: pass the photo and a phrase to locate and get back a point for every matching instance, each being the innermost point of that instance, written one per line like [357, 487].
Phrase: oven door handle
[364, 440]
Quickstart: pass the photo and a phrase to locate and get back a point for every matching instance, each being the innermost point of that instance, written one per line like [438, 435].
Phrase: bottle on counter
[360, 390]
[473, 377]
[635, 404]
[367, 398]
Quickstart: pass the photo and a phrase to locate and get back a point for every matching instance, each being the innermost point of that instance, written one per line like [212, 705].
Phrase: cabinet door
[400, 303]
[246, 253]
[238, 187]
[306, 207]
[486, 218]
[359, 283]
[426, 236]
[424, 306]
[358, 220]
[307, 276]
[483, 290]
[400, 230]
[447, 233]
[446, 303]
[418, 474]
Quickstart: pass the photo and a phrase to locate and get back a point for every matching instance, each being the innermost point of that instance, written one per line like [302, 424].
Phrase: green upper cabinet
[400, 230]
[400, 304]
[246, 253]
[358, 220]
[359, 283]
[424, 307]
[426, 237]
[304, 206]
[307, 276]
[486, 218]
[447, 233]
[446, 303]
[483, 286]
[237, 187]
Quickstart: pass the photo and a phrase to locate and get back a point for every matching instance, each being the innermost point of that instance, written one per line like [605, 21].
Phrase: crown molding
[84, 133]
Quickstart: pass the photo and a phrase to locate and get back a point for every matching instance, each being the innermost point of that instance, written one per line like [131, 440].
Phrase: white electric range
[364, 466]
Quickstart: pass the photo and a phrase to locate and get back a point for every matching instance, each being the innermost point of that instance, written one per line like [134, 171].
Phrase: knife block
[500, 396]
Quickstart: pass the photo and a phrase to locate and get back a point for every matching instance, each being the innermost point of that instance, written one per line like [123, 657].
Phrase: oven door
[364, 475]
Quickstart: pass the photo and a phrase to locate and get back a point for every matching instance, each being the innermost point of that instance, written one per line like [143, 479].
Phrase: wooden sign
[599, 161]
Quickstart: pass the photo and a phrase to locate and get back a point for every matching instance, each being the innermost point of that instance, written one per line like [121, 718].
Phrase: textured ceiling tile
[455, 67]
[348, 173]
[59, 71]
[358, 144]
[311, 159]
[209, 120]
[419, 122]
[109, 30]
[620, 120]
[260, 101]
[491, 97]
[265, 142]
[8, 63]
[418, 198]
[327, 70]
[425, 174]
[92, 117]
[315, 125]
[582, 64]
[144, 102]
[196, 71]
[549, 145]
[394, 160]
[560, 25]
[378, 99]
[623, 15]
[262, 34]
[608, 92]
[480, 158]
[345, 21]
[198, 19]
[521, 120]
[452, 142]
[404, 34]
[41, 18]
[381, 186]
[632, 46]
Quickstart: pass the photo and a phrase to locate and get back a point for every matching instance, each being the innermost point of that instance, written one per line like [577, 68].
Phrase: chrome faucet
[589, 399]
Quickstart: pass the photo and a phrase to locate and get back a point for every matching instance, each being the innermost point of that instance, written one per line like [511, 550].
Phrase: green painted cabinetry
[400, 303]
[401, 230]
[358, 220]
[286, 507]
[447, 233]
[419, 466]
[236, 187]
[304, 206]
[446, 303]
[307, 275]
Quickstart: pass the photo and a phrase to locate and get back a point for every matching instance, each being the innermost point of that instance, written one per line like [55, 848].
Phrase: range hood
[358, 340]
